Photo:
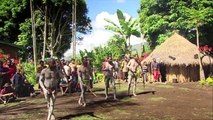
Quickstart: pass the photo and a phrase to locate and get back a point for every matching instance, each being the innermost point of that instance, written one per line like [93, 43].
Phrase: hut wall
[182, 73]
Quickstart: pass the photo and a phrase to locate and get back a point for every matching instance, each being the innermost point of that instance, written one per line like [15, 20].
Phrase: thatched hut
[179, 61]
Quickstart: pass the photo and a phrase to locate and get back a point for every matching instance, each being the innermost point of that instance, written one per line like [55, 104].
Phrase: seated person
[7, 93]
[18, 83]
[28, 87]
[64, 85]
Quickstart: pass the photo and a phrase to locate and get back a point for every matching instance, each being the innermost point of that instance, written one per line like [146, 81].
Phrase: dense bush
[28, 68]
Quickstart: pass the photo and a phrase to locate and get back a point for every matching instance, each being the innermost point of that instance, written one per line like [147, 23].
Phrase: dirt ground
[155, 101]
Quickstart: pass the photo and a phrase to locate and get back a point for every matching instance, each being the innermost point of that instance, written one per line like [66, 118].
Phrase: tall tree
[12, 13]
[56, 16]
[125, 28]
[199, 15]
[33, 33]
[159, 18]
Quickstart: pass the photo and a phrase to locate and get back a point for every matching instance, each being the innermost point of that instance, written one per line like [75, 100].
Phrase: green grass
[157, 99]
[10, 104]
[31, 114]
[154, 118]
[36, 100]
[127, 99]
[120, 88]
[165, 86]
[120, 111]
[184, 89]
[25, 116]
[208, 114]
[89, 117]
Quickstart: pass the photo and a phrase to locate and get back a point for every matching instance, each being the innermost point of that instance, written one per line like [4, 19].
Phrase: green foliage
[28, 68]
[208, 81]
[99, 77]
[125, 28]
[202, 82]
[10, 17]
[115, 48]
[15, 23]
[160, 18]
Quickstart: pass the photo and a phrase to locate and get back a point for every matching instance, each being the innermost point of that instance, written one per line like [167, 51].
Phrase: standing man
[109, 68]
[155, 67]
[40, 67]
[124, 69]
[84, 80]
[48, 81]
[133, 65]
[116, 66]
[89, 65]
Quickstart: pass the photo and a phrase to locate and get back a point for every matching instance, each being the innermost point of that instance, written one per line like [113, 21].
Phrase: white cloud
[120, 1]
[99, 35]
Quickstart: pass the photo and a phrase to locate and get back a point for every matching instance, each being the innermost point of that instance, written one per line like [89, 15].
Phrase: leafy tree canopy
[160, 18]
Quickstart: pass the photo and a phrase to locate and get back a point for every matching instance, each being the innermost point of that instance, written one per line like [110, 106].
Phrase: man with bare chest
[48, 81]
[109, 68]
[84, 80]
[133, 66]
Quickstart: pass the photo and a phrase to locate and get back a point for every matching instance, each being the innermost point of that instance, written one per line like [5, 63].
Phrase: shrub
[202, 82]
[28, 68]
[100, 77]
[208, 81]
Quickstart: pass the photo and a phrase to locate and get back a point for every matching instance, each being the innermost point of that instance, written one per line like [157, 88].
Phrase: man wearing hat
[48, 81]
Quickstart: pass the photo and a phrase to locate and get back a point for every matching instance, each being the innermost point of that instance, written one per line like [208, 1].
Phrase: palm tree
[125, 29]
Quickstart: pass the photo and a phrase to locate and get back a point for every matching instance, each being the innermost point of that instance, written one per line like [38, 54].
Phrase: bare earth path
[169, 101]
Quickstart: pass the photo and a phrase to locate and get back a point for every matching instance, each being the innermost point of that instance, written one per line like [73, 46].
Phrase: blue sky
[127, 6]
[100, 9]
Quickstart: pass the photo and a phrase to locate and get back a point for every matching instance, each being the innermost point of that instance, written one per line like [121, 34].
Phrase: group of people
[13, 82]
[131, 70]
[57, 73]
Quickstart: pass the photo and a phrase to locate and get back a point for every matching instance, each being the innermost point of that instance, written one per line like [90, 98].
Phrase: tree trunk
[45, 33]
[52, 37]
[202, 75]
[33, 34]
[74, 27]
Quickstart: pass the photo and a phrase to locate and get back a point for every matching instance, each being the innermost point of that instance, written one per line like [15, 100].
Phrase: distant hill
[138, 48]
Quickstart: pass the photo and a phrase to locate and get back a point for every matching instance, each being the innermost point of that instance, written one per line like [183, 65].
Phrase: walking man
[48, 81]
[133, 65]
[84, 80]
[109, 68]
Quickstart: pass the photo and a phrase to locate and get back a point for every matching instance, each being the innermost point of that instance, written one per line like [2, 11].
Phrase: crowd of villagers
[13, 81]
[71, 76]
